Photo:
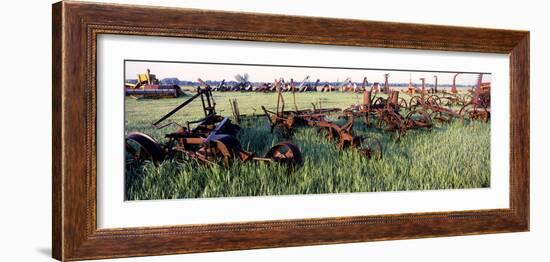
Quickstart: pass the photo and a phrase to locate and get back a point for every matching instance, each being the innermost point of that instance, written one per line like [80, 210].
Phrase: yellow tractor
[148, 85]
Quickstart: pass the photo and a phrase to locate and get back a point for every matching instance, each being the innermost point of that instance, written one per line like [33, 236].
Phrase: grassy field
[452, 156]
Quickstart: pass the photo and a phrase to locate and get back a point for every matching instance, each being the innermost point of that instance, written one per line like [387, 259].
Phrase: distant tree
[242, 78]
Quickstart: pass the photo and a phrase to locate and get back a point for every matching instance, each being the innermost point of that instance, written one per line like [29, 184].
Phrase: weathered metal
[148, 85]
[393, 121]
[288, 120]
[212, 140]
[386, 88]
[372, 104]
[473, 106]
[344, 137]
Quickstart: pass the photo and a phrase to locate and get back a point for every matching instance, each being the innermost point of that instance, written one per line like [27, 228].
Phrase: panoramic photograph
[206, 130]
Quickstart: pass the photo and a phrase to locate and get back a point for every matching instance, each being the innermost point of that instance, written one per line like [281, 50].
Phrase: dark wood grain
[75, 29]
[57, 195]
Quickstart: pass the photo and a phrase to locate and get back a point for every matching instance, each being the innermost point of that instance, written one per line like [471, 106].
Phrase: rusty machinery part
[466, 99]
[279, 122]
[212, 123]
[208, 106]
[419, 119]
[426, 102]
[282, 129]
[284, 122]
[442, 116]
[415, 102]
[285, 153]
[433, 100]
[223, 148]
[390, 121]
[370, 147]
[403, 103]
[142, 147]
[484, 100]
[471, 112]
[148, 86]
[344, 137]
[379, 102]
[450, 101]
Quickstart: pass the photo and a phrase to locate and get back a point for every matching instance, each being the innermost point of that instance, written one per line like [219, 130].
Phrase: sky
[216, 72]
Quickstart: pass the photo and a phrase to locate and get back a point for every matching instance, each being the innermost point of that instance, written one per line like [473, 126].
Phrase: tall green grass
[451, 156]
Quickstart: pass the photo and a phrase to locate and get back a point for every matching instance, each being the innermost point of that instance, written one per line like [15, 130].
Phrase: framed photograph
[194, 131]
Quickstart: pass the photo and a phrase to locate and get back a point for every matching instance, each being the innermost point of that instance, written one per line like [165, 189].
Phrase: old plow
[213, 139]
[473, 106]
[317, 117]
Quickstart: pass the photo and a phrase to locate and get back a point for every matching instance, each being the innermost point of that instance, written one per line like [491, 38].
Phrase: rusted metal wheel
[415, 102]
[466, 99]
[403, 103]
[441, 117]
[419, 119]
[472, 112]
[434, 100]
[390, 121]
[286, 153]
[141, 147]
[379, 102]
[370, 148]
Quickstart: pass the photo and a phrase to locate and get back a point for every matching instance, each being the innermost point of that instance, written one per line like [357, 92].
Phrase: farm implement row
[390, 114]
[213, 138]
[287, 120]
[211, 141]
[148, 86]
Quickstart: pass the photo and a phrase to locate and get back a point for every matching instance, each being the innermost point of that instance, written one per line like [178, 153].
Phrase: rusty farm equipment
[149, 86]
[372, 104]
[386, 112]
[287, 120]
[474, 106]
[342, 135]
[213, 140]
[479, 107]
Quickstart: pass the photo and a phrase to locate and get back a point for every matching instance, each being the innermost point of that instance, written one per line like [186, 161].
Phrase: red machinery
[149, 86]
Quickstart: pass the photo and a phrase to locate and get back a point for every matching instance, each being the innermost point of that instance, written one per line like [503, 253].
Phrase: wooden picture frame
[76, 26]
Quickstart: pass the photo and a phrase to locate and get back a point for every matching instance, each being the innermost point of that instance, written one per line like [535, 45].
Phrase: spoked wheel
[391, 122]
[371, 148]
[403, 103]
[466, 99]
[379, 102]
[441, 117]
[472, 112]
[415, 102]
[419, 119]
[446, 101]
[434, 100]
[141, 147]
[286, 153]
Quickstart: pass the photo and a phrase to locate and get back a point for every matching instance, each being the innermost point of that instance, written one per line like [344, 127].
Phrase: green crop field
[452, 156]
